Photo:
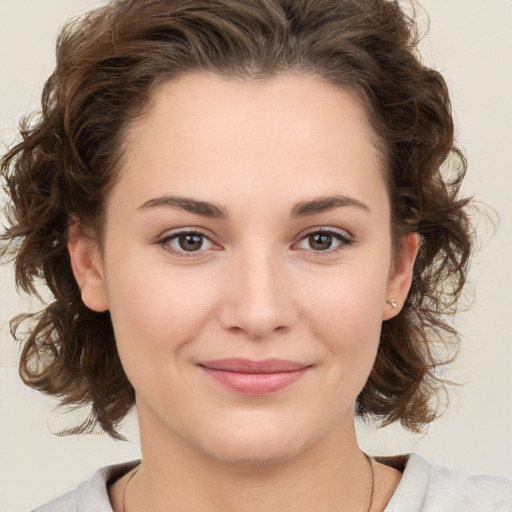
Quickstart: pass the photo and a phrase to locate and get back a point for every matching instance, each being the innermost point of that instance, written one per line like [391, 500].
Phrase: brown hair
[108, 64]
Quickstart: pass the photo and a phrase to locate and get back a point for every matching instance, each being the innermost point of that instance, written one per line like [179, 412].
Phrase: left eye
[325, 240]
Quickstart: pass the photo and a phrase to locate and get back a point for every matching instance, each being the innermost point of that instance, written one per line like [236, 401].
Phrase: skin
[256, 288]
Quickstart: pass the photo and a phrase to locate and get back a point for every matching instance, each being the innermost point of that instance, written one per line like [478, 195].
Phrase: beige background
[470, 41]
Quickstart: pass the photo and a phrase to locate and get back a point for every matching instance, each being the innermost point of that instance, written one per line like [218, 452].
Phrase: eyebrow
[203, 208]
[324, 204]
[215, 210]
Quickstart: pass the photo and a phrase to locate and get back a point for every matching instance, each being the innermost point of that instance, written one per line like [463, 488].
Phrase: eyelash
[341, 236]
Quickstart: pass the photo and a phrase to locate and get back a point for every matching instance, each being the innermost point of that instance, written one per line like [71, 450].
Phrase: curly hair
[108, 63]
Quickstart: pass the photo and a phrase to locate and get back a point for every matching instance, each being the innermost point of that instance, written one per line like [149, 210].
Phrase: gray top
[423, 488]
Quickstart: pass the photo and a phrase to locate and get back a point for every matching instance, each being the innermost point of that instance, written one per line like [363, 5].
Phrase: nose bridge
[258, 299]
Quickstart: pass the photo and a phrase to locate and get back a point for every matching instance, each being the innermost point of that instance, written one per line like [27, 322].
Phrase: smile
[255, 377]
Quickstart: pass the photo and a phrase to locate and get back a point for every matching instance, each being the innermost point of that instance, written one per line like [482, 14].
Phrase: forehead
[195, 104]
[298, 133]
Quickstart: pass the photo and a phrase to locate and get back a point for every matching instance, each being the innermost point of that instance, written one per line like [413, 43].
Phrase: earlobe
[87, 267]
[400, 279]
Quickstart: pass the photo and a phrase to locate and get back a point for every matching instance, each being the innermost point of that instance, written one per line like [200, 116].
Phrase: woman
[239, 209]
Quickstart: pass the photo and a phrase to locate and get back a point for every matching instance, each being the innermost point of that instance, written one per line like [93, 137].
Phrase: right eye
[186, 243]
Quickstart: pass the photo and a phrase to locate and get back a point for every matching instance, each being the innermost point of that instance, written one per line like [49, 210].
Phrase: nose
[258, 298]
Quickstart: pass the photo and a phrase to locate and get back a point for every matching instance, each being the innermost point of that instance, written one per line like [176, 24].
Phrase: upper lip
[241, 365]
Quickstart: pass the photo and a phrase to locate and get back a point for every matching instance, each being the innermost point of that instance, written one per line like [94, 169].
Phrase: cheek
[154, 310]
[346, 314]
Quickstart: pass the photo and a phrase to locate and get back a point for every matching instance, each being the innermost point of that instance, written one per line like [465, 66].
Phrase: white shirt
[423, 488]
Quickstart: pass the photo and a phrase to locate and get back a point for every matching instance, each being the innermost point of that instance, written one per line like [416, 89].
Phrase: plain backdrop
[470, 42]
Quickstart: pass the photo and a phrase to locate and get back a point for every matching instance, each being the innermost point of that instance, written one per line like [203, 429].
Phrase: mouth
[256, 378]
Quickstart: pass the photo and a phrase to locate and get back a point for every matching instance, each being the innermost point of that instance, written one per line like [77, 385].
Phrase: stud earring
[392, 302]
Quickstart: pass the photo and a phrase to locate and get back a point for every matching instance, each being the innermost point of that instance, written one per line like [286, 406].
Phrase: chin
[257, 446]
[251, 454]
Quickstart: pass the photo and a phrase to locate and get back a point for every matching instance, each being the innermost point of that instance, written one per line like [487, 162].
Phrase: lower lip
[257, 384]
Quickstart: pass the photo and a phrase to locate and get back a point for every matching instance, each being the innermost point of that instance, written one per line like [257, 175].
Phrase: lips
[255, 377]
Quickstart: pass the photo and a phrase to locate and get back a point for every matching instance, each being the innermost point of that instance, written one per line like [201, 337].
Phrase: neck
[176, 476]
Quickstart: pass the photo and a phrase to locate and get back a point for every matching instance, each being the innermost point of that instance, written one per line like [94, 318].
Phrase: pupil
[190, 242]
[321, 241]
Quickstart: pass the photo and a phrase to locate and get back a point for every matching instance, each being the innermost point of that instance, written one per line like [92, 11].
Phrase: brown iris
[320, 241]
[190, 242]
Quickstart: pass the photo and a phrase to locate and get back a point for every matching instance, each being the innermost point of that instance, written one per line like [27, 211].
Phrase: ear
[87, 266]
[400, 278]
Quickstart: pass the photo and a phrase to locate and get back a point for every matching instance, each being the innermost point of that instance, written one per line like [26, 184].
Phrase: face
[246, 264]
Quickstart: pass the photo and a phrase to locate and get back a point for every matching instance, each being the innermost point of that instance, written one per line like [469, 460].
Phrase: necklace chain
[370, 501]
[372, 482]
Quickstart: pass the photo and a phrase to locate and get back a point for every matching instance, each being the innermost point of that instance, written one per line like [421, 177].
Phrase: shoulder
[430, 488]
[66, 502]
[472, 493]
[91, 495]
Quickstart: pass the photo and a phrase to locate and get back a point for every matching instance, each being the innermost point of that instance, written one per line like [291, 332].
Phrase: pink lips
[255, 377]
